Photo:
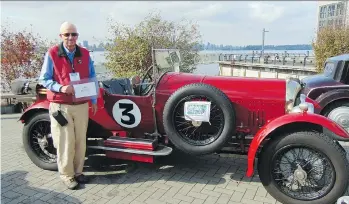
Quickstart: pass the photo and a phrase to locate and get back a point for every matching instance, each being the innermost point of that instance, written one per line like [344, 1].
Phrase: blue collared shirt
[46, 75]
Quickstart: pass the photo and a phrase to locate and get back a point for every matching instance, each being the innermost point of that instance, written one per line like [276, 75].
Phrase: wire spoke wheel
[304, 167]
[302, 172]
[196, 132]
[41, 141]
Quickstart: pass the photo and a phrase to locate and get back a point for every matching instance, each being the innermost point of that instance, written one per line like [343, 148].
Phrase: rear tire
[41, 156]
[325, 150]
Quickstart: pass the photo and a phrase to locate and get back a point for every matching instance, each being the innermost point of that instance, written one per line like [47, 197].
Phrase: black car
[330, 90]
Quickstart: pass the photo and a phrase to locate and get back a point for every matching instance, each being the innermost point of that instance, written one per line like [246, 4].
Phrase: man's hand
[94, 109]
[67, 89]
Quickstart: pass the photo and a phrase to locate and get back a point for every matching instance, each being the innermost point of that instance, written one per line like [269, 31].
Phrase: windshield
[167, 60]
[329, 69]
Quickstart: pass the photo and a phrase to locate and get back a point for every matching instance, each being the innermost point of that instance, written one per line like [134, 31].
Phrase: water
[251, 51]
[206, 69]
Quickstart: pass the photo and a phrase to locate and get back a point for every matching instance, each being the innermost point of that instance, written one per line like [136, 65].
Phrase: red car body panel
[37, 105]
[255, 101]
[43, 104]
[287, 119]
[144, 103]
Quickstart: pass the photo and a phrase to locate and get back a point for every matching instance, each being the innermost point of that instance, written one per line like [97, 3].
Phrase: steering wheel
[146, 83]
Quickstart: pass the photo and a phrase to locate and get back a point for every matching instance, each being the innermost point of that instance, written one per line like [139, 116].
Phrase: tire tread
[288, 136]
[32, 156]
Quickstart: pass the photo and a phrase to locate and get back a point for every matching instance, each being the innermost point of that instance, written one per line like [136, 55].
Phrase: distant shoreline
[215, 47]
[265, 50]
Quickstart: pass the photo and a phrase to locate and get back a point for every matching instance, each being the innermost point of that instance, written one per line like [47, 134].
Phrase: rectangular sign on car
[197, 111]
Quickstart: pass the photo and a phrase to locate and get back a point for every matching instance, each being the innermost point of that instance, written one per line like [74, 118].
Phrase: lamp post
[263, 37]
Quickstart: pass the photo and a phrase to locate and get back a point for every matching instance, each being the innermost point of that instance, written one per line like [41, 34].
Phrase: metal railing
[291, 59]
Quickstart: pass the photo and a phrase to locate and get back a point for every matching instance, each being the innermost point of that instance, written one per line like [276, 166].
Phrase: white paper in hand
[85, 90]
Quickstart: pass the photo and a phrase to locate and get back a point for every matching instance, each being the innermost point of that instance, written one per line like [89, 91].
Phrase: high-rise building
[85, 43]
[333, 14]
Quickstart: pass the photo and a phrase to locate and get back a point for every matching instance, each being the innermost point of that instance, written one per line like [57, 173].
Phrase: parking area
[176, 179]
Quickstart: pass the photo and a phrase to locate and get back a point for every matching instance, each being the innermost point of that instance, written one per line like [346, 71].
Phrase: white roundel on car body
[127, 113]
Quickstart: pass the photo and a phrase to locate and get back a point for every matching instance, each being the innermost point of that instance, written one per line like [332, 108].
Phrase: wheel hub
[196, 123]
[43, 143]
[344, 121]
[341, 116]
[300, 175]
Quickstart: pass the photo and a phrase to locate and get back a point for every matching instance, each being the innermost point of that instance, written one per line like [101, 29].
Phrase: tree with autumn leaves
[22, 52]
[330, 42]
[129, 52]
[22, 55]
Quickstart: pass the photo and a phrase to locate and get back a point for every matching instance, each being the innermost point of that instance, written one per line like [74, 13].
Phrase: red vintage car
[197, 114]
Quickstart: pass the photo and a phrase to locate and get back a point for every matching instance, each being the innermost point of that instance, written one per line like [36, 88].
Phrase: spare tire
[202, 137]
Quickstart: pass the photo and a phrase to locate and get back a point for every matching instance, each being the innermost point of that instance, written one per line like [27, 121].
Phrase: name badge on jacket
[74, 76]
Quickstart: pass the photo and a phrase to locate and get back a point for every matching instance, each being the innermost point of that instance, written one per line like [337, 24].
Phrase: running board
[132, 143]
[134, 149]
[161, 150]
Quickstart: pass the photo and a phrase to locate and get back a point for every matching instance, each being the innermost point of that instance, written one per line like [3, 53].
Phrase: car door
[130, 112]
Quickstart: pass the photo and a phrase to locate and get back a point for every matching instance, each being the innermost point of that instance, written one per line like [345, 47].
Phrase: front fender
[328, 97]
[292, 118]
[31, 110]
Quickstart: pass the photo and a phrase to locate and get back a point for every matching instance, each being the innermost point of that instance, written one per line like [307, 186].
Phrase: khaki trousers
[70, 140]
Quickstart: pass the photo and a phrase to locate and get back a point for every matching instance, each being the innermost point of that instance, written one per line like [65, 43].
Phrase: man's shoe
[81, 178]
[71, 183]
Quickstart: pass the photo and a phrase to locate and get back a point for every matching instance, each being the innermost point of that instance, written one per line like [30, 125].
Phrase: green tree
[330, 42]
[129, 52]
[22, 55]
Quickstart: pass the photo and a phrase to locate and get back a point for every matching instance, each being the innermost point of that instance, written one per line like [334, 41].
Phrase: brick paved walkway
[175, 179]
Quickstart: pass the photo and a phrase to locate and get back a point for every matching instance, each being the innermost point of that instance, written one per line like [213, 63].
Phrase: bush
[330, 42]
[22, 55]
[130, 50]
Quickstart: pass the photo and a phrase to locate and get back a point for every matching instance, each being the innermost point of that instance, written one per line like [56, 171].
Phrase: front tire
[304, 168]
[38, 143]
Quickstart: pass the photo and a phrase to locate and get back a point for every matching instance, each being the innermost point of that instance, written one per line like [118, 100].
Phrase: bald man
[64, 63]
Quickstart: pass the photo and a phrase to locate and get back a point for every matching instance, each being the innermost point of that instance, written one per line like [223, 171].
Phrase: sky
[236, 23]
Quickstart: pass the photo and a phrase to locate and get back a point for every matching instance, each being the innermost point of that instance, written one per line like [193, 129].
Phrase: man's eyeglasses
[68, 34]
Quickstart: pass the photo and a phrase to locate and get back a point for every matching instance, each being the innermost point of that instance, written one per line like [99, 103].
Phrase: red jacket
[62, 67]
